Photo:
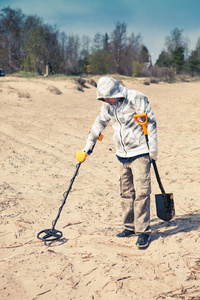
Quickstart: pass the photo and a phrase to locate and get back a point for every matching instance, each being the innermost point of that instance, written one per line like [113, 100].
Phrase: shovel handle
[142, 123]
[158, 177]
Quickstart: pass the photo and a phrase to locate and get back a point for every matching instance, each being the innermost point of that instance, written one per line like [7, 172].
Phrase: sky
[154, 20]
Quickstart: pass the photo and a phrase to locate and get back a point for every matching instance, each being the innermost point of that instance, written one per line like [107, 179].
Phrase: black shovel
[164, 202]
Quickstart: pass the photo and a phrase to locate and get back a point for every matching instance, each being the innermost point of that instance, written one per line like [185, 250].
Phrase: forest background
[28, 44]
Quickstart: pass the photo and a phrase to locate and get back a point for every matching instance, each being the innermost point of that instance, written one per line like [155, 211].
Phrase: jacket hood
[108, 87]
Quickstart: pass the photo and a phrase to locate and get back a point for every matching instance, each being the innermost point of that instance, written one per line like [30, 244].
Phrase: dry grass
[54, 90]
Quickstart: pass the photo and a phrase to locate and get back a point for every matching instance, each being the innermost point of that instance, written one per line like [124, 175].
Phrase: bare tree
[73, 54]
[86, 43]
[198, 47]
[134, 45]
[174, 40]
[63, 45]
[11, 23]
[97, 41]
[118, 45]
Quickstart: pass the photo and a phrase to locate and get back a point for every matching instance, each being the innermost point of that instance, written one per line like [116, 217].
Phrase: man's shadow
[180, 223]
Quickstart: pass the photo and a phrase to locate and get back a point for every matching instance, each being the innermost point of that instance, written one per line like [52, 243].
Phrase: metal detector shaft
[53, 234]
[73, 178]
[66, 194]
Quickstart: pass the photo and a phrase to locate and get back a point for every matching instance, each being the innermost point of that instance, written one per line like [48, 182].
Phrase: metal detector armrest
[100, 138]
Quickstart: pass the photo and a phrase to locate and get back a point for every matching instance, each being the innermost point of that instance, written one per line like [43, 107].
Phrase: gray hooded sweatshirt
[128, 134]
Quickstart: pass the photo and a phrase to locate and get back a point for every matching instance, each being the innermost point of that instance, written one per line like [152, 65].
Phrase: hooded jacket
[128, 136]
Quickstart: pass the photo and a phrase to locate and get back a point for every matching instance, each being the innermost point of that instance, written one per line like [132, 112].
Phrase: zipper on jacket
[120, 132]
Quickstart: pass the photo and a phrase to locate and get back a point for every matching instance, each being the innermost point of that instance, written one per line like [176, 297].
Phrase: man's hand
[153, 155]
[88, 147]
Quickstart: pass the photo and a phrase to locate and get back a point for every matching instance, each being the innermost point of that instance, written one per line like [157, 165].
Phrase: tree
[178, 58]
[73, 54]
[177, 45]
[97, 41]
[134, 46]
[99, 62]
[33, 43]
[194, 62]
[118, 46]
[85, 44]
[100, 59]
[137, 69]
[198, 48]
[131, 54]
[41, 46]
[52, 50]
[144, 54]
[84, 53]
[106, 42]
[63, 49]
[164, 59]
[11, 23]
[174, 40]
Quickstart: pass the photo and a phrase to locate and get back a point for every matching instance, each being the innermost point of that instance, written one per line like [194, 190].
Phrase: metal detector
[53, 234]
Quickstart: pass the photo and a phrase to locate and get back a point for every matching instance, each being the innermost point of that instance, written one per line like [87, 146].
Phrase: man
[119, 107]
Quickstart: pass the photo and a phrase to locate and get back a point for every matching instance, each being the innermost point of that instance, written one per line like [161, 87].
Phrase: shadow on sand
[181, 223]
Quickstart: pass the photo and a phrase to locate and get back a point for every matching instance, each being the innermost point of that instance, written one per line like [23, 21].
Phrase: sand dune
[43, 122]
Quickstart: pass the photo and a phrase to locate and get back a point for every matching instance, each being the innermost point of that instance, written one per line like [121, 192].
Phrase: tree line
[27, 44]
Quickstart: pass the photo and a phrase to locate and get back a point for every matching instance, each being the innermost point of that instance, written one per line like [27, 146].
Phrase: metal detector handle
[81, 155]
[100, 138]
[143, 124]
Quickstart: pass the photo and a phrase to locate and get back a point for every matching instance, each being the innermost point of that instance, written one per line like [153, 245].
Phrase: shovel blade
[165, 206]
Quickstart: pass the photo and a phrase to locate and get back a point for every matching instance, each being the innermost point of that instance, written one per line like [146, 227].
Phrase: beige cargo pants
[135, 189]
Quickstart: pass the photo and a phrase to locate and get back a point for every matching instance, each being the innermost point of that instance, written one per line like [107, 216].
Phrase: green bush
[137, 69]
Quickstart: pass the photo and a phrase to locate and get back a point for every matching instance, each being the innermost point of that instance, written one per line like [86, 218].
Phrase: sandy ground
[39, 134]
